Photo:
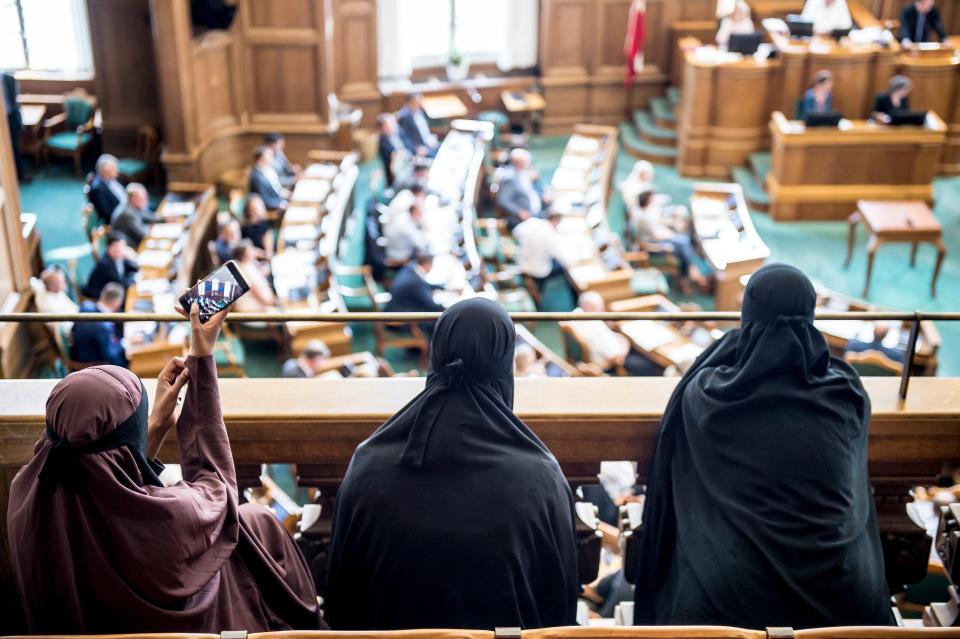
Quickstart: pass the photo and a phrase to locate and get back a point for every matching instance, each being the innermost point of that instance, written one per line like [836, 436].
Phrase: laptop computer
[799, 27]
[745, 43]
[823, 118]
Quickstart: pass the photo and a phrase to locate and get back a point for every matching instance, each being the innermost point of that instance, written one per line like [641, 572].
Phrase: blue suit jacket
[103, 199]
[409, 132]
[262, 186]
[106, 271]
[809, 104]
[411, 294]
[97, 341]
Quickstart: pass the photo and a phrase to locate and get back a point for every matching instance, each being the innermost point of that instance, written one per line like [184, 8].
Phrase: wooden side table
[897, 221]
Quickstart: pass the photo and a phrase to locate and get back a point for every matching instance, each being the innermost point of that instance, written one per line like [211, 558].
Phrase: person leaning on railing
[100, 545]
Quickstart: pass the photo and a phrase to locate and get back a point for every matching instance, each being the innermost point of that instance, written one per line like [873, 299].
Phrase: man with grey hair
[132, 221]
[106, 193]
[98, 341]
[310, 363]
[520, 195]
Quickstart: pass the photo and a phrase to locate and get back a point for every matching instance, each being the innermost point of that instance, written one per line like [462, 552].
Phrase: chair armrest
[57, 120]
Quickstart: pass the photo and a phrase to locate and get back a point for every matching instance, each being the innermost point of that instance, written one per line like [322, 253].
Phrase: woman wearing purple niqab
[99, 545]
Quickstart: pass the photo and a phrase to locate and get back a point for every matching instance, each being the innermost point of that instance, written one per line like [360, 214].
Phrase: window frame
[29, 72]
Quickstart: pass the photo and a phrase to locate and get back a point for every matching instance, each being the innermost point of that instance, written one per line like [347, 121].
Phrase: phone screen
[217, 291]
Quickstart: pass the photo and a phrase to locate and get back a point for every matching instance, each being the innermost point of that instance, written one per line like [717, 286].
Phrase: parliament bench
[563, 632]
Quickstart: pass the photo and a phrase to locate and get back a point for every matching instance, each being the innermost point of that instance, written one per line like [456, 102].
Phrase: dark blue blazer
[262, 186]
[103, 199]
[411, 294]
[97, 341]
[932, 22]
[386, 149]
[106, 271]
[409, 132]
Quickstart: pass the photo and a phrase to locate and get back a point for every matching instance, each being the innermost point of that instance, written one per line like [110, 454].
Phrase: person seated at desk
[106, 194]
[880, 332]
[538, 248]
[133, 555]
[50, 294]
[760, 489]
[453, 514]
[738, 23]
[417, 173]
[229, 235]
[609, 349]
[287, 172]
[393, 152]
[411, 293]
[819, 97]
[650, 228]
[260, 298]
[520, 195]
[640, 179]
[135, 217]
[525, 363]
[265, 182]
[414, 127]
[256, 227]
[896, 98]
[118, 264]
[405, 234]
[98, 342]
[311, 362]
[827, 16]
[920, 21]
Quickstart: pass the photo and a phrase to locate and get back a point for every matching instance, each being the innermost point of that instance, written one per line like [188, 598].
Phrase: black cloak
[759, 510]
[453, 514]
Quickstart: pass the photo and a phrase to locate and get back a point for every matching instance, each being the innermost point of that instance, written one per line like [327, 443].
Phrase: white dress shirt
[404, 236]
[48, 302]
[121, 194]
[420, 119]
[827, 18]
[538, 246]
[603, 342]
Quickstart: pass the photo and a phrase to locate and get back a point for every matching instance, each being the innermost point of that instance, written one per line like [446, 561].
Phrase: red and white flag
[636, 37]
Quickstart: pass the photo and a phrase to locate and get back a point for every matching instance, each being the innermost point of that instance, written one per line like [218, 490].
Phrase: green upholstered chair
[72, 132]
[143, 164]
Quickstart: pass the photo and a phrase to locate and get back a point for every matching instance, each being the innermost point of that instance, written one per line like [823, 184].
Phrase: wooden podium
[821, 173]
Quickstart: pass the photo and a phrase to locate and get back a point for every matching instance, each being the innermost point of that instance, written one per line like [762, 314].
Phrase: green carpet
[818, 248]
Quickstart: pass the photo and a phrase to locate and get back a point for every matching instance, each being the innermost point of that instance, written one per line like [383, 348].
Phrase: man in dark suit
[116, 265]
[919, 21]
[11, 89]
[98, 341]
[411, 293]
[286, 170]
[519, 194]
[414, 127]
[134, 220]
[393, 153]
[264, 180]
[106, 193]
[311, 361]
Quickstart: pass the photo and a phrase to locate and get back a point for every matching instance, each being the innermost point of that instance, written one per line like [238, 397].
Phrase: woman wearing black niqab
[453, 514]
[759, 511]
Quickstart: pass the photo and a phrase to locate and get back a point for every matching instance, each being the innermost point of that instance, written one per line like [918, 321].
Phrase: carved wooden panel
[213, 85]
[611, 33]
[566, 33]
[356, 32]
[283, 79]
[281, 13]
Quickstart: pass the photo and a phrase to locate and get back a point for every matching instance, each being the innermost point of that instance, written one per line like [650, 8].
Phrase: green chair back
[78, 110]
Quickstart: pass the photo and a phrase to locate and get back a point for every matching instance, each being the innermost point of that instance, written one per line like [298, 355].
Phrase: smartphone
[216, 291]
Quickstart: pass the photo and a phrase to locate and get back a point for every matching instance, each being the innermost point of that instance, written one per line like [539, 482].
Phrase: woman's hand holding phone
[203, 336]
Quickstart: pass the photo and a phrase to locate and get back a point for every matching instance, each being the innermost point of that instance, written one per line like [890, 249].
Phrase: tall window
[45, 35]
[428, 33]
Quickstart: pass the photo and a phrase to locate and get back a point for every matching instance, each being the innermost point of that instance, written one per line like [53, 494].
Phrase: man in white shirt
[405, 234]
[50, 295]
[538, 250]
[607, 348]
[827, 15]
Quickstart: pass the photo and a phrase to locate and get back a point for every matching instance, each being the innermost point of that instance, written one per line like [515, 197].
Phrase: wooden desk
[887, 222]
[526, 107]
[723, 230]
[726, 106]
[443, 107]
[821, 173]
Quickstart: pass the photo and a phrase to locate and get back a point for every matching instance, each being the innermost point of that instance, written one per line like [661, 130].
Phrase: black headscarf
[453, 514]
[759, 511]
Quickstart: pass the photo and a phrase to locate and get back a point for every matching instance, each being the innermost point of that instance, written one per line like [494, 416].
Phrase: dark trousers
[16, 127]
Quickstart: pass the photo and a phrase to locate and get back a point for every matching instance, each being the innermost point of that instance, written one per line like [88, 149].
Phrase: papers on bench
[321, 171]
[166, 231]
[301, 215]
[178, 209]
[154, 286]
[648, 334]
[311, 191]
[582, 145]
[154, 259]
